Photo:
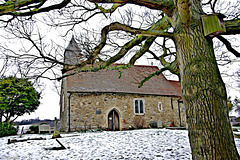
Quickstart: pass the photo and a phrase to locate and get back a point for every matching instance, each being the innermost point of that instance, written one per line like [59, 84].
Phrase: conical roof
[72, 54]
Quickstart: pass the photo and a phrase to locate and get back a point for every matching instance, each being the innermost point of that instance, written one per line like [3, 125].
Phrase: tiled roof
[177, 86]
[109, 81]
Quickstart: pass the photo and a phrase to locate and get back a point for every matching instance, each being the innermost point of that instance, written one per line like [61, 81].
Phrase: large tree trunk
[204, 97]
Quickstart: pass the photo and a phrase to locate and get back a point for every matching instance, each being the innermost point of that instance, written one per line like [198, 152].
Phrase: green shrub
[153, 124]
[7, 129]
[34, 129]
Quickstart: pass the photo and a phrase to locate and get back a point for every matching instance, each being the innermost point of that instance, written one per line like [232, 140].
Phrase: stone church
[108, 100]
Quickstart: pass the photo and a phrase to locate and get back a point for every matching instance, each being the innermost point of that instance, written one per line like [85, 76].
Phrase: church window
[160, 107]
[139, 106]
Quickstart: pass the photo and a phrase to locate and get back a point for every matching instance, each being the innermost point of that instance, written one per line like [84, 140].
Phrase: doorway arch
[113, 120]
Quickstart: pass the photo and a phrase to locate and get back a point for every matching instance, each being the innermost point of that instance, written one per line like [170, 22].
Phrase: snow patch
[160, 144]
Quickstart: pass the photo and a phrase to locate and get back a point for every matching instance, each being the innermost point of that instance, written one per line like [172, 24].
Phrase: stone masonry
[91, 110]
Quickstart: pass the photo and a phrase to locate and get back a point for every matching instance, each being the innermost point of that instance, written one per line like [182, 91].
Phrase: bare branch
[232, 27]
[166, 6]
[28, 7]
[229, 46]
[111, 10]
[143, 49]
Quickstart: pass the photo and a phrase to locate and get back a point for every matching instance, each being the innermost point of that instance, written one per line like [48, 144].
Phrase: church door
[113, 121]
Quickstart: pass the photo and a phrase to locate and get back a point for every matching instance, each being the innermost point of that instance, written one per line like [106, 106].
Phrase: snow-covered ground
[136, 144]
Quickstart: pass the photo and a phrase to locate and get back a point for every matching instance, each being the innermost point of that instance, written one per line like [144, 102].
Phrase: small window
[139, 106]
[160, 107]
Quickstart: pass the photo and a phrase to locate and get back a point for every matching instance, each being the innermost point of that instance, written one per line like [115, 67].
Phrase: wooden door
[113, 121]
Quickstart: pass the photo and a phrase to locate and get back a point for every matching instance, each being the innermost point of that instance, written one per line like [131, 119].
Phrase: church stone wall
[90, 110]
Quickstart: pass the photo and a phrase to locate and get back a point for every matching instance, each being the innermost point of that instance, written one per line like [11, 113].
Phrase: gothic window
[139, 106]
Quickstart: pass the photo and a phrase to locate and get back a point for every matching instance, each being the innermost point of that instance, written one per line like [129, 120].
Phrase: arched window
[160, 107]
[139, 106]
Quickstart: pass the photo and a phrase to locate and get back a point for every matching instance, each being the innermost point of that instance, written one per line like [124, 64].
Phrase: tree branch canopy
[28, 7]
[166, 6]
[111, 10]
[157, 29]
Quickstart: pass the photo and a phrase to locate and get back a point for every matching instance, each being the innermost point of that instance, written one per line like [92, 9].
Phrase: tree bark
[204, 96]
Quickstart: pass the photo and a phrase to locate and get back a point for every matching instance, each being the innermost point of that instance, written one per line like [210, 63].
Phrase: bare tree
[176, 30]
